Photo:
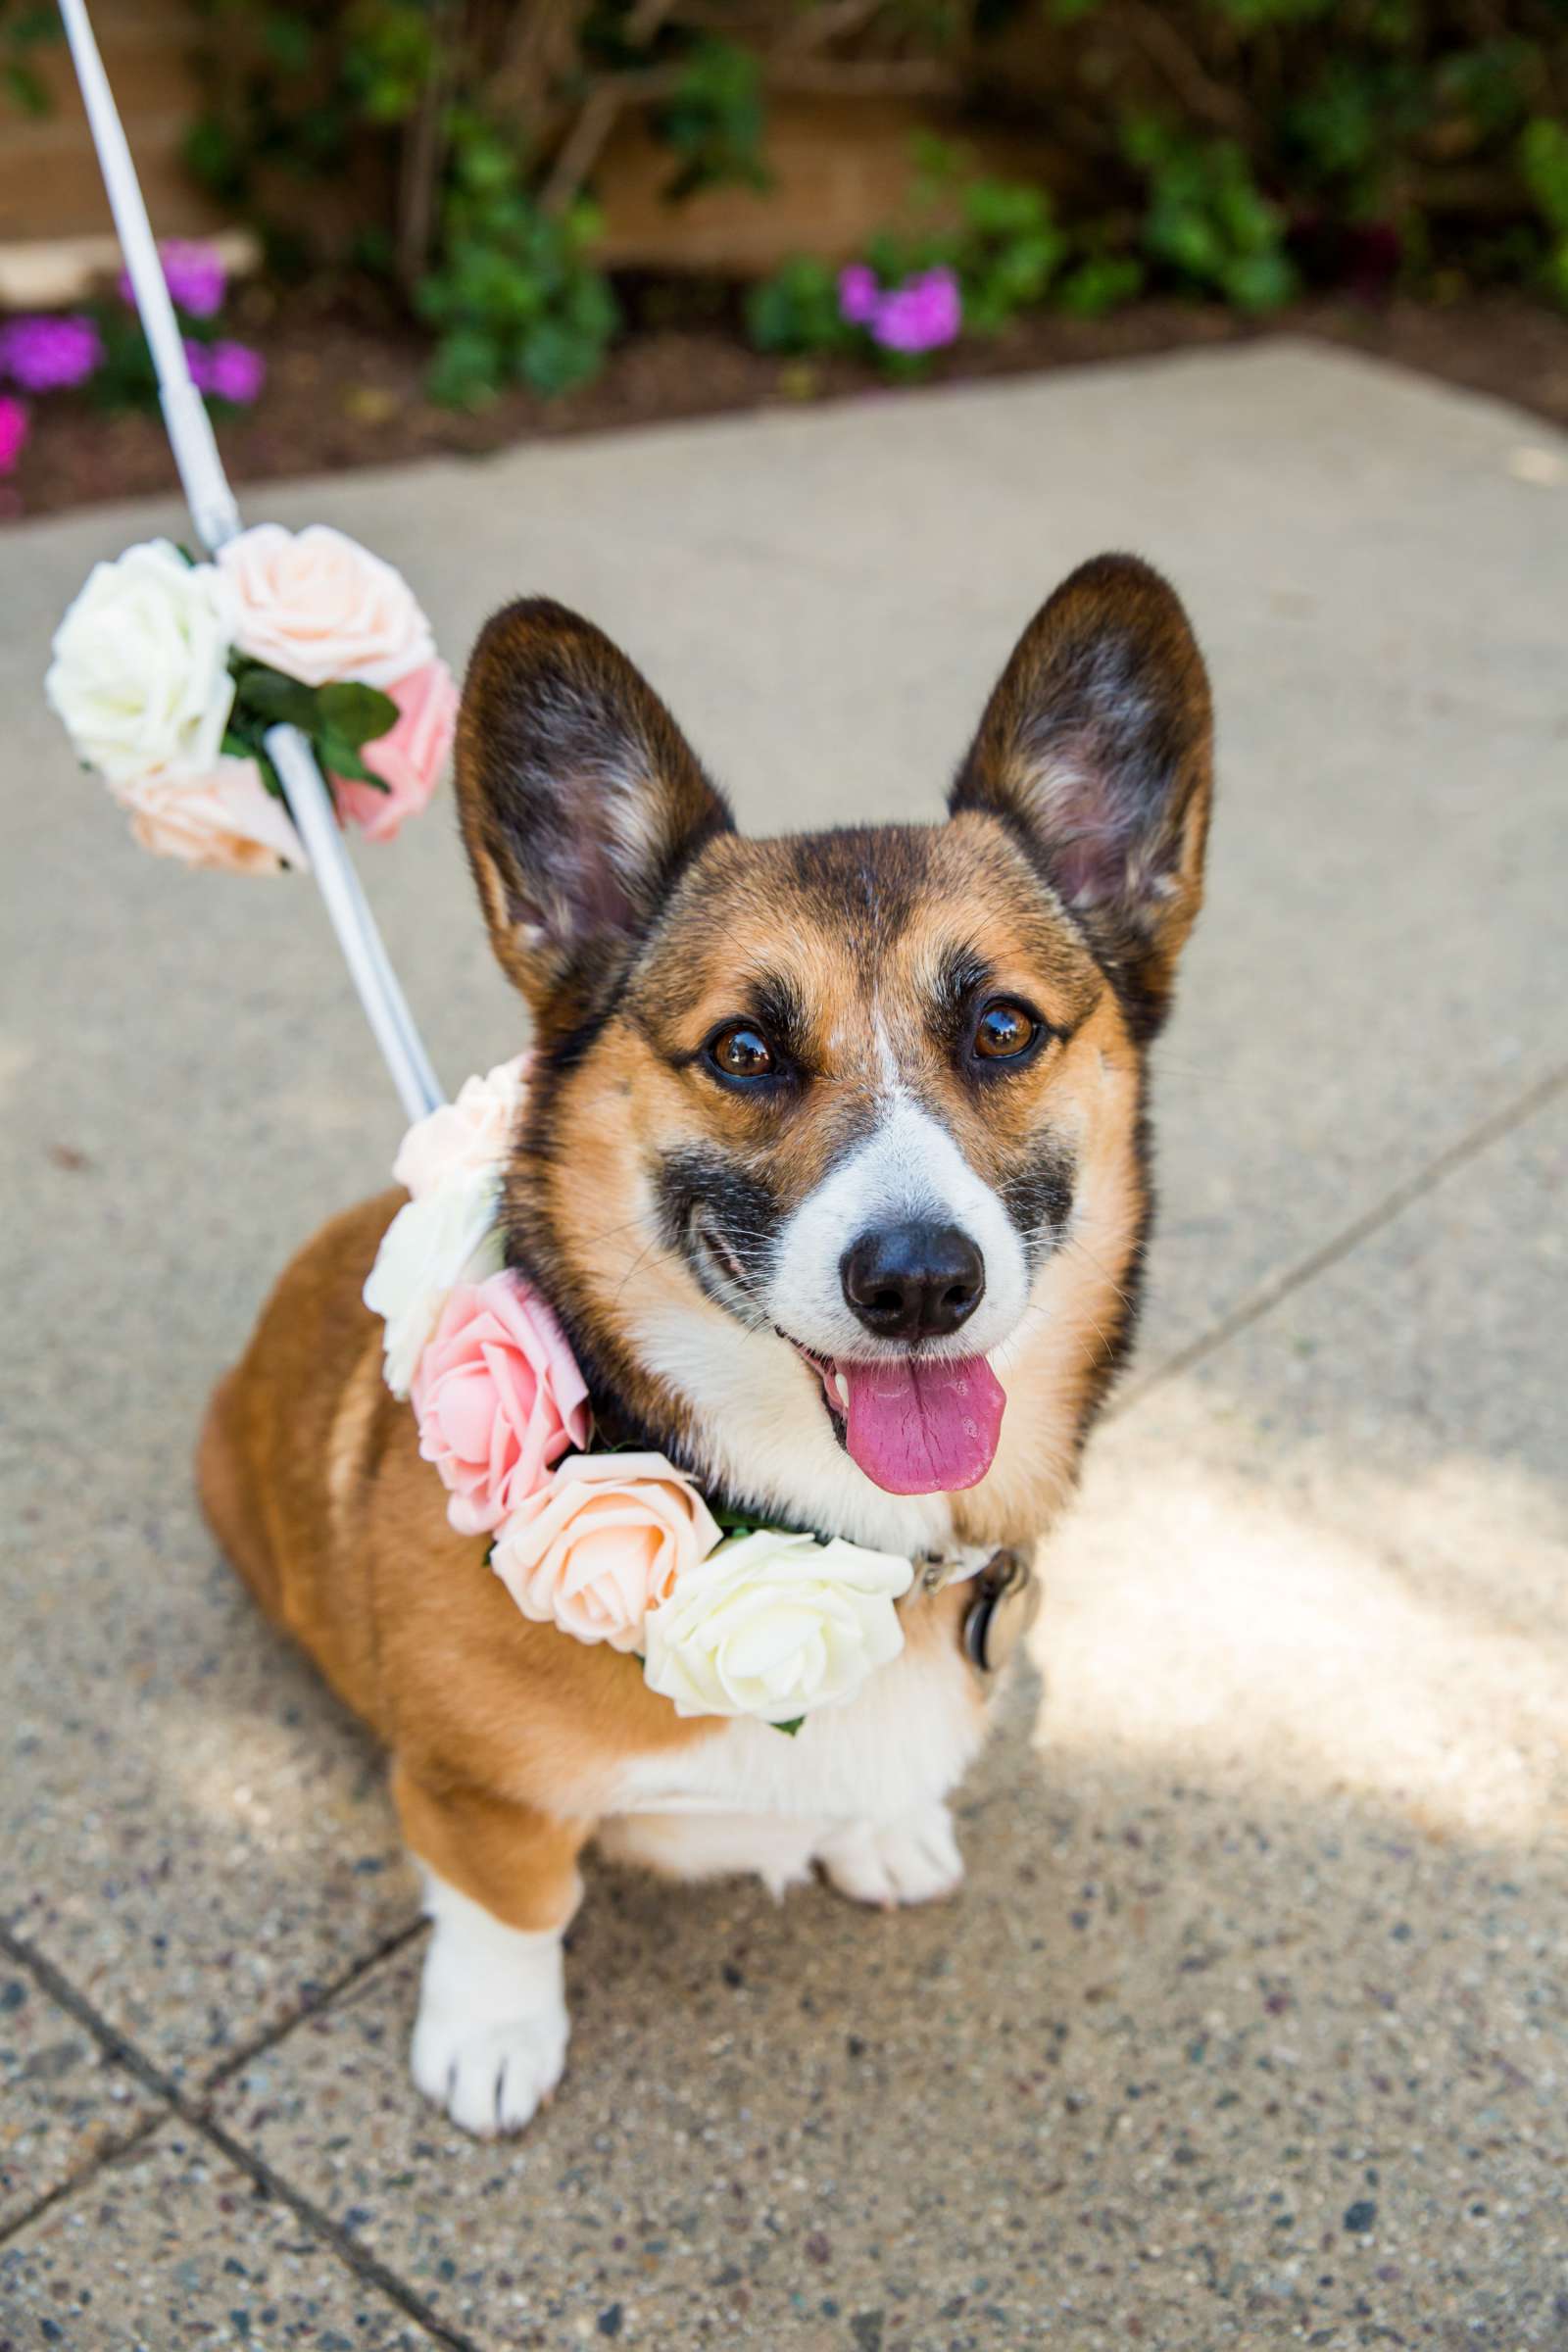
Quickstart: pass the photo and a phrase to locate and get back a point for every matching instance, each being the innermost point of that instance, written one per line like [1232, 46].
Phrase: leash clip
[1006, 1604]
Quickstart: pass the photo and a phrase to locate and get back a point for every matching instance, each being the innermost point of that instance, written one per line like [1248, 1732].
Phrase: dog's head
[834, 1139]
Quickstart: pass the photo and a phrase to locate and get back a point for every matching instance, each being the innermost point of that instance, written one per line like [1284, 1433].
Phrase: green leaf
[355, 712]
[716, 118]
[342, 757]
[737, 1523]
[274, 699]
[1099, 284]
[797, 309]
[1258, 281]
[553, 357]
[467, 371]
[790, 1729]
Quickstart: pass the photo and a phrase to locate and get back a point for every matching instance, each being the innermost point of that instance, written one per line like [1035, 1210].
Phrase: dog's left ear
[1097, 752]
[580, 800]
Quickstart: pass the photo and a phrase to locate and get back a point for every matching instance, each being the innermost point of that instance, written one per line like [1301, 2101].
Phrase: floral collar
[609, 1545]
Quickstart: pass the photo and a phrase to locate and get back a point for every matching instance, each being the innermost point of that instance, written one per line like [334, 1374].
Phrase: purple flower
[238, 372]
[859, 294]
[12, 432]
[229, 371]
[921, 315]
[197, 281]
[47, 353]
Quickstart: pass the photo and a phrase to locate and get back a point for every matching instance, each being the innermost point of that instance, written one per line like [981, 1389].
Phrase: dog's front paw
[489, 2077]
[913, 1859]
[490, 2039]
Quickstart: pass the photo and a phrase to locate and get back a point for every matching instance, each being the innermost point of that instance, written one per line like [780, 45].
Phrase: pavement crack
[190, 2111]
[1469, 1146]
[325, 1997]
[109, 2153]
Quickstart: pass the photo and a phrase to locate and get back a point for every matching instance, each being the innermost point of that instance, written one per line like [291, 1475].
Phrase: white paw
[490, 2039]
[489, 2077]
[914, 1859]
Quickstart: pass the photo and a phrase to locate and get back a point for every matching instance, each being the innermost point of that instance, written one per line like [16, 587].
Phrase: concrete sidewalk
[1251, 2027]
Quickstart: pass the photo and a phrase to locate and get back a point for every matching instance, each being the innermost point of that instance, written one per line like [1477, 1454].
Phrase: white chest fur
[903, 1741]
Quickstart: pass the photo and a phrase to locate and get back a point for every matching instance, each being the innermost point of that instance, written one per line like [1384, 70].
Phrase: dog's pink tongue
[919, 1428]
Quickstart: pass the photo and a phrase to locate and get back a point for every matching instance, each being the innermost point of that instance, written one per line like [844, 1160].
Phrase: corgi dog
[833, 1166]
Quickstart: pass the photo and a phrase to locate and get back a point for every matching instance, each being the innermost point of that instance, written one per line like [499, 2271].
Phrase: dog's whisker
[637, 1263]
[1072, 1241]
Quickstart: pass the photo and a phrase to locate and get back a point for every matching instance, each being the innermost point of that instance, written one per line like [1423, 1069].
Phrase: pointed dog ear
[1097, 752]
[580, 797]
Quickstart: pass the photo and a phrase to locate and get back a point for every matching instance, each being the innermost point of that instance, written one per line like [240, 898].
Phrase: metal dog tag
[1006, 1604]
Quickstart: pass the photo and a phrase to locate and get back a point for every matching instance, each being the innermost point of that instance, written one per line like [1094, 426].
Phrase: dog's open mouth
[915, 1424]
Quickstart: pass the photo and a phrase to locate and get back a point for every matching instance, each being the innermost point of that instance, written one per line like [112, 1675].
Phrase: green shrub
[997, 237]
[1207, 221]
[513, 297]
[1232, 150]
[796, 310]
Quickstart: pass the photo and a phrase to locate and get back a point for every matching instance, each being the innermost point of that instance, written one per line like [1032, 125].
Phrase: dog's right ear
[1097, 752]
[580, 800]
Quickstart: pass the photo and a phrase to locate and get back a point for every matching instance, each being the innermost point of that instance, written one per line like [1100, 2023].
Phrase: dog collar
[1005, 1605]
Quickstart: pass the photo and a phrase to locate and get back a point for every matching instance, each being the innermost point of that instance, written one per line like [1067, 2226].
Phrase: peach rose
[408, 757]
[603, 1543]
[499, 1399]
[463, 1136]
[317, 606]
[227, 821]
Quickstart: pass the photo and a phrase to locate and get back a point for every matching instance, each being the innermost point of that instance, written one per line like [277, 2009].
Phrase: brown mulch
[346, 390]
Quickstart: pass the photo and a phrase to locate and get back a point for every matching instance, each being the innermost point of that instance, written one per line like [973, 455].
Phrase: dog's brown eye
[742, 1052]
[1004, 1031]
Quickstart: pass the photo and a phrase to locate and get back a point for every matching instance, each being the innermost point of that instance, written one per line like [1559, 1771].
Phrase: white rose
[473, 1132]
[140, 669]
[448, 1236]
[775, 1625]
[318, 606]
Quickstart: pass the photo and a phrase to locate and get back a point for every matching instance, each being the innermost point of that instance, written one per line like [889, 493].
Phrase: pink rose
[474, 1132]
[603, 1543]
[317, 606]
[226, 820]
[408, 757]
[499, 1399]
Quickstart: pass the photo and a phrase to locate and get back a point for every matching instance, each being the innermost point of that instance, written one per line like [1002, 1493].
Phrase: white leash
[217, 520]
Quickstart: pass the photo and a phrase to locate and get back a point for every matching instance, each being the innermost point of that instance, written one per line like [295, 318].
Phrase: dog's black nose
[913, 1282]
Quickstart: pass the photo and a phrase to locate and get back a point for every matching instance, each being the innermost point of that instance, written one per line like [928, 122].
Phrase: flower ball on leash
[168, 675]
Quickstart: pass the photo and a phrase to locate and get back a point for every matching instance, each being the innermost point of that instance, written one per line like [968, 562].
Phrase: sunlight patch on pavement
[1302, 1622]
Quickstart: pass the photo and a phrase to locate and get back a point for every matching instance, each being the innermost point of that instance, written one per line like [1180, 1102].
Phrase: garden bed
[346, 388]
